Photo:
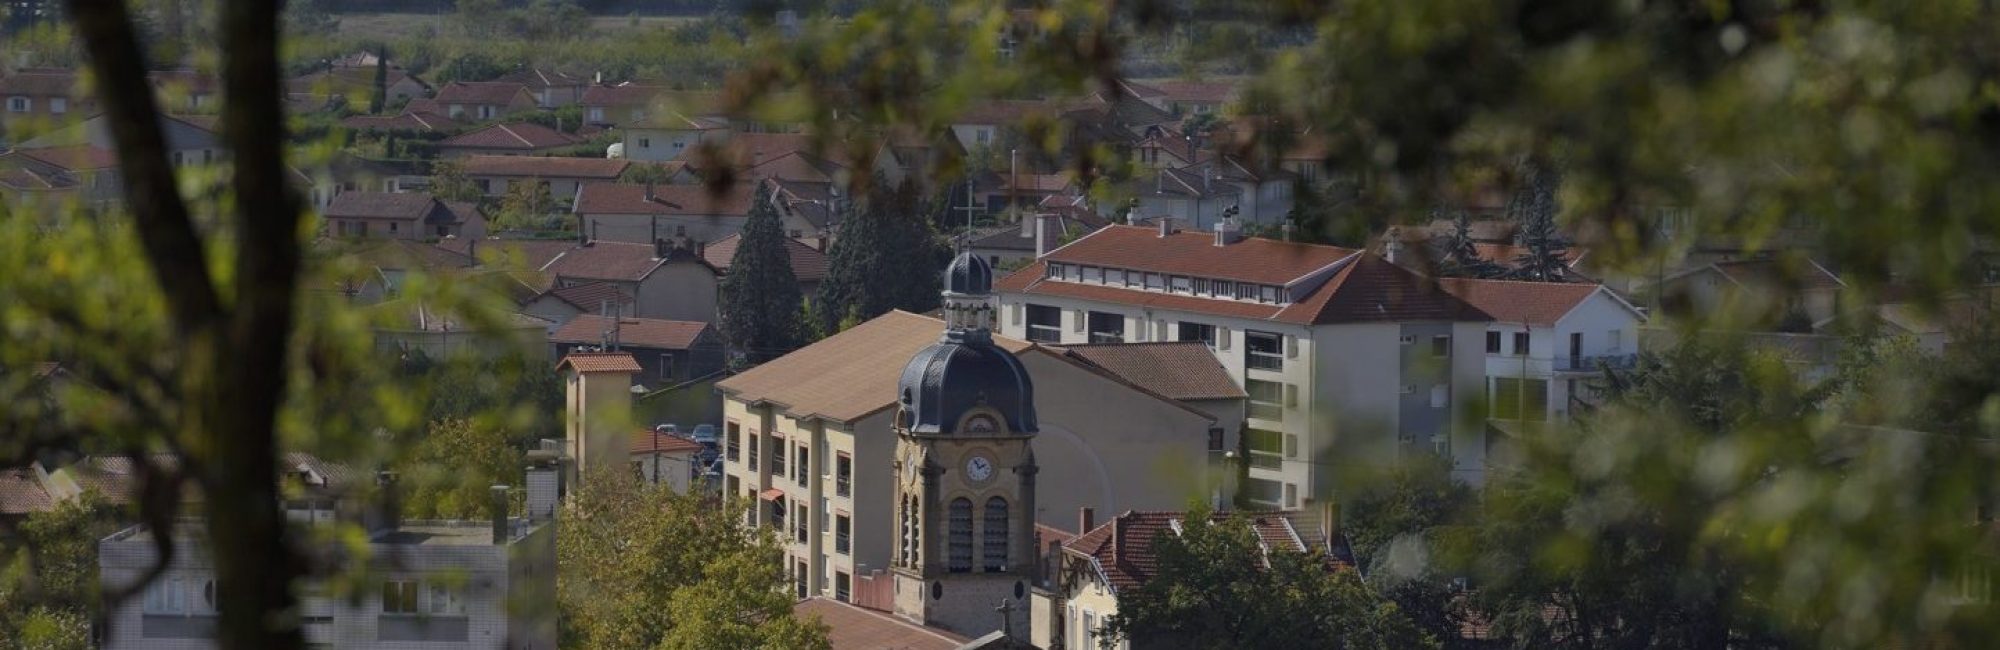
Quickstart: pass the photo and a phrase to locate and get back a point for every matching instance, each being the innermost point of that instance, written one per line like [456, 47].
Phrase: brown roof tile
[526, 254]
[480, 92]
[80, 157]
[590, 296]
[849, 375]
[1367, 289]
[406, 121]
[545, 166]
[1255, 259]
[21, 492]
[654, 333]
[42, 82]
[626, 94]
[1179, 370]
[1508, 301]
[356, 204]
[1803, 273]
[599, 362]
[533, 78]
[853, 628]
[519, 136]
[605, 260]
[1197, 91]
[647, 442]
[808, 264]
[630, 198]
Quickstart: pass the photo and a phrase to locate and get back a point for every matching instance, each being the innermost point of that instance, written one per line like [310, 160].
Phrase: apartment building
[1547, 341]
[1347, 358]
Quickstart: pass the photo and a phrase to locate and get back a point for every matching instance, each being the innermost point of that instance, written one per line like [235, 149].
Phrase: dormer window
[1181, 284]
[1093, 274]
[1115, 277]
[1267, 293]
[1154, 282]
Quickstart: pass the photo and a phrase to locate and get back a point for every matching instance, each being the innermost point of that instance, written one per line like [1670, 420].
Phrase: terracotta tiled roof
[1010, 111]
[1123, 546]
[407, 121]
[599, 362]
[28, 180]
[533, 78]
[401, 254]
[1035, 183]
[42, 82]
[1367, 289]
[480, 92]
[520, 136]
[797, 166]
[527, 254]
[605, 260]
[1255, 259]
[21, 492]
[80, 157]
[356, 204]
[853, 628]
[1029, 280]
[1508, 301]
[653, 333]
[630, 198]
[846, 376]
[808, 264]
[647, 442]
[590, 296]
[626, 94]
[1180, 370]
[545, 166]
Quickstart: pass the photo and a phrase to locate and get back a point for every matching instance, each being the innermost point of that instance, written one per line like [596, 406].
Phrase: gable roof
[590, 296]
[649, 442]
[797, 166]
[1513, 301]
[585, 362]
[1254, 259]
[606, 260]
[854, 628]
[538, 78]
[808, 264]
[532, 253]
[80, 157]
[21, 492]
[413, 206]
[545, 166]
[1123, 547]
[653, 333]
[1805, 274]
[1176, 370]
[847, 376]
[480, 92]
[630, 198]
[1211, 92]
[624, 94]
[405, 121]
[520, 136]
[39, 82]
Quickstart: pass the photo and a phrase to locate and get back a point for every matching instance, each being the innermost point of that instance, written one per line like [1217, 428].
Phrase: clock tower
[965, 470]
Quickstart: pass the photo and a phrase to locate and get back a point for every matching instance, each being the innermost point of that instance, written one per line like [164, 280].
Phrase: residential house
[1547, 341]
[666, 458]
[1009, 247]
[406, 327]
[54, 175]
[1204, 193]
[550, 88]
[630, 212]
[478, 101]
[810, 437]
[598, 399]
[399, 215]
[1186, 98]
[1792, 295]
[1087, 573]
[32, 98]
[665, 282]
[432, 584]
[619, 104]
[344, 172]
[667, 351]
[186, 91]
[809, 264]
[354, 86]
[509, 139]
[383, 265]
[189, 140]
[561, 176]
[1347, 358]
[670, 135]
[560, 305]
[411, 123]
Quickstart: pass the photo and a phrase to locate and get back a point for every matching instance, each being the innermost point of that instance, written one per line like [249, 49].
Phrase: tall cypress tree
[760, 302]
[1534, 208]
[885, 256]
[1457, 256]
[381, 96]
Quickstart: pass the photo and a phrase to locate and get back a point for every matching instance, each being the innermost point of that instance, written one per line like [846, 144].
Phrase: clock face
[978, 468]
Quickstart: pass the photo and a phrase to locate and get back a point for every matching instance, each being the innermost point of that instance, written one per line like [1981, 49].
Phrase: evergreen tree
[1534, 208]
[760, 303]
[381, 96]
[1456, 255]
[885, 257]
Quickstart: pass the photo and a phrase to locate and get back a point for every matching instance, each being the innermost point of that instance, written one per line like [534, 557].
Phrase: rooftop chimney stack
[1166, 226]
[388, 501]
[543, 486]
[1290, 231]
[499, 512]
[1392, 245]
[1227, 232]
[1045, 239]
[1086, 519]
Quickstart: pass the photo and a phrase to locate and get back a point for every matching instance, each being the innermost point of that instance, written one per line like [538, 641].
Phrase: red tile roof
[1197, 91]
[532, 254]
[654, 333]
[1123, 546]
[1255, 259]
[853, 628]
[1366, 289]
[545, 166]
[599, 362]
[480, 92]
[519, 136]
[797, 166]
[539, 78]
[1179, 370]
[1509, 301]
[626, 94]
[80, 157]
[647, 442]
[1805, 274]
[21, 492]
[591, 296]
[411, 206]
[606, 260]
[407, 121]
[808, 264]
[630, 198]
[43, 82]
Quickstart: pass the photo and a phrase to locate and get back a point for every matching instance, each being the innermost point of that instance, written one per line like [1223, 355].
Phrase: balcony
[1266, 460]
[1044, 333]
[1264, 361]
[1596, 363]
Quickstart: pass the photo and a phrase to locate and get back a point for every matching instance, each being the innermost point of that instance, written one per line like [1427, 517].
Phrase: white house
[1547, 341]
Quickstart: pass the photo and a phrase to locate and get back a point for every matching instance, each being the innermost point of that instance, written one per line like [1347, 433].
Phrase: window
[841, 586]
[1155, 282]
[1264, 492]
[392, 227]
[682, 231]
[1114, 276]
[1203, 287]
[645, 143]
[843, 474]
[445, 601]
[1198, 332]
[995, 541]
[1267, 448]
[1044, 324]
[752, 459]
[1521, 340]
[486, 112]
[166, 596]
[1440, 396]
[799, 584]
[802, 466]
[1441, 346]
[1181, 284]
[1263, 350]
[1492, 342]
[1215, 439]
[1053, 271]
[983, 136]
[778, 509]
[399, 597]
[1107, 327]
[959, 536]
[18, 104]
[799, 523]
[1089, 634]
[1267, 293]
[1520, 399]
[734, 447]
[1614, 340]
[1291, 495]
[1093, 274]
[778, 458]
[841, 526]
[1267, 399]
[912, 536]
[596, 114]
[58, 105]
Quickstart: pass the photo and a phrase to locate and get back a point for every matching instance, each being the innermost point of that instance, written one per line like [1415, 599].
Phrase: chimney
[1166, 226]
[1227, 232]
[499, 511]
[660, 249]
[1290, 232]
[542, 485]
[389, 502]
[1086, 519]
[1392, 245]
[1045, 239]
[649, 191]
[1028, 226]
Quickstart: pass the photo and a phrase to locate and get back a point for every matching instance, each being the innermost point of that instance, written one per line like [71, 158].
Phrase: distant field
[404, 25]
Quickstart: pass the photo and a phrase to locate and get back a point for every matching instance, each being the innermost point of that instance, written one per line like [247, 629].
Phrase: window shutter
[1291, 395]
[1160, 330]
[1291, 347]
[1077, 320]
[1016, 310]
[1222, 338]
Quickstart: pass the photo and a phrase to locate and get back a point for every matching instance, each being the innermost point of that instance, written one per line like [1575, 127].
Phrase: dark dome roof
[969, 275]
[965, 370]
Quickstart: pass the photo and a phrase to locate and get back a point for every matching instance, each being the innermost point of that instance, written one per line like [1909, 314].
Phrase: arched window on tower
[960, 536]
[995, 551]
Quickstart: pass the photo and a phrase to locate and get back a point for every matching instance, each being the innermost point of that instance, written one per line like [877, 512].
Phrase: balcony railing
[1266, 460]
[1044, 333]
[1267, 411]
[1264, 361]
[1596, 362]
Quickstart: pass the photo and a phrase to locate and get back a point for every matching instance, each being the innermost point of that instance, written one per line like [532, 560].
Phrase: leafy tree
[453, 465]
[639, 566]
[49, 593]
[885, 257]
[1400, 527]
[760, 302]
[526, 206]
[449, 182]
[1216, 587]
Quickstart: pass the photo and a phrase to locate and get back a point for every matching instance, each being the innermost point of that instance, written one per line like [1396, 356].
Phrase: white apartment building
[1547, 341]
[1347, 358]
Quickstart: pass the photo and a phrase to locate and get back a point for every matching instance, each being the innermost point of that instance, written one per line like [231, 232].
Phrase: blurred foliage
[639, 566]
[453, 467]
[50, 592]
